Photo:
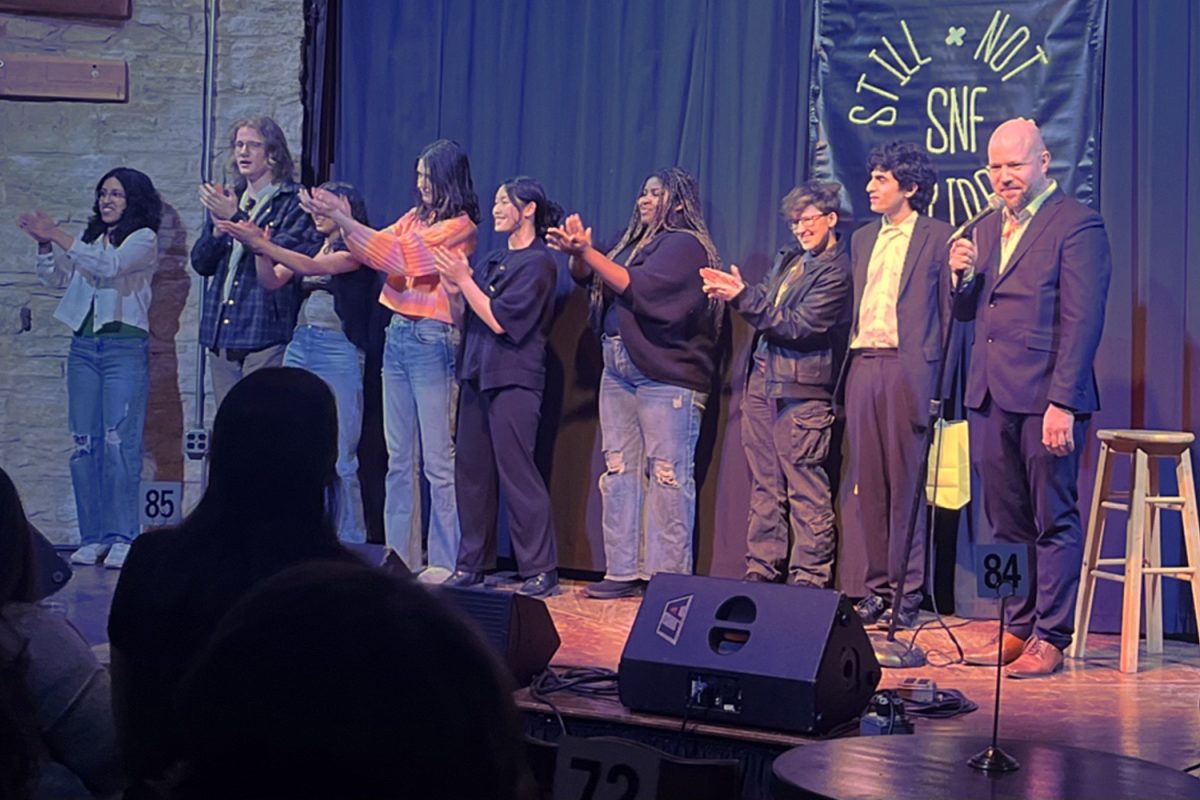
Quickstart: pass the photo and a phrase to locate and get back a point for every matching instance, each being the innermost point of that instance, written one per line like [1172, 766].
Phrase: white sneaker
[116, 556]
[89, 554]
[433, 575]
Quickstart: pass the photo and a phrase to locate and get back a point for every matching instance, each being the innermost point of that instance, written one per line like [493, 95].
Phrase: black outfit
[667, 323]
[502, 378]
[801, 316]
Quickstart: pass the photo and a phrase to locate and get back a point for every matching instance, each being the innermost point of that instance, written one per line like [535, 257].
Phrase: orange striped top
[404, 251]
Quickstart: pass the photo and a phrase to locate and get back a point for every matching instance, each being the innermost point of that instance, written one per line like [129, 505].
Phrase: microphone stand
[889, 652]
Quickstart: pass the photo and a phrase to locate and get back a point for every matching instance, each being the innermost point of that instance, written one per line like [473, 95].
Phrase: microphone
[994, 203]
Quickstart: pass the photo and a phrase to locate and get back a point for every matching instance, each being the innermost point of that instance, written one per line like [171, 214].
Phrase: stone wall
[51, 155]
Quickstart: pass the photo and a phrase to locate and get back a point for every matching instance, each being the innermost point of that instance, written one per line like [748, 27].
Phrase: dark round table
[935, 767]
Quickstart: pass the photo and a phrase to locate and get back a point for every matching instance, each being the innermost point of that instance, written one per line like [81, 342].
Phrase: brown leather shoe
[1039, 659]
[985, 654]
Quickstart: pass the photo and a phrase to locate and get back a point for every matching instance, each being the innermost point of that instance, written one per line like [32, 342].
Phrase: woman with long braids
[107, 272]
[505, 309]
[331, 333]
[419, 388]
[659, 335]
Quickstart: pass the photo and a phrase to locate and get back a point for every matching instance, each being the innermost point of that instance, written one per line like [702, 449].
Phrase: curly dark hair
[826, 196]
[278, 156]
[450, 175]
[911, 166]
[143, 207]
[523, 190]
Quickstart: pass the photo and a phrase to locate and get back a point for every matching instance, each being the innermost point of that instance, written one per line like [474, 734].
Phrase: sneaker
[116, 555]
[609, 589]
[870, 609]
[433, 575]
[89, 554]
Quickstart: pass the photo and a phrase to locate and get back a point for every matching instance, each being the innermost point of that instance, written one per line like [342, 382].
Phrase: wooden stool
[1143, 547]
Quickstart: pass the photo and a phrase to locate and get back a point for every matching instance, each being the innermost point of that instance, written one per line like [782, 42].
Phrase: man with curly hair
[901, 305]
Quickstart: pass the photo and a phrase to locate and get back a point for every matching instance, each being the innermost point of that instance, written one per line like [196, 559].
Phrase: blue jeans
[648, 433]
[108, 380]
[329, 355]
[420, 396]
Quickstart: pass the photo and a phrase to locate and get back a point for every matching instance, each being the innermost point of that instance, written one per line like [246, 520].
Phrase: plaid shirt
[252, 318]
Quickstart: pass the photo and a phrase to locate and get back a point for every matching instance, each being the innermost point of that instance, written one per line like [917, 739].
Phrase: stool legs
[1191, 524]
[1091, 554]
[1153, 559]
[1131, 608]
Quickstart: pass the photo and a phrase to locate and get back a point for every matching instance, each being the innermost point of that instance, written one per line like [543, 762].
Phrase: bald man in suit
[1035, 280]
[901, 307]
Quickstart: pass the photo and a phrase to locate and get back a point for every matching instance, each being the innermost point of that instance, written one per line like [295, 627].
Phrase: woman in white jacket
[107, 273]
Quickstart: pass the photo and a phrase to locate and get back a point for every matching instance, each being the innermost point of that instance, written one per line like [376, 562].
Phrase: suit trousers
[1031, 496]
[885, 462]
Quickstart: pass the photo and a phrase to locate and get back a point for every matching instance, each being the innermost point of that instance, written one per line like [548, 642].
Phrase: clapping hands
[722, 285]
[221, 201]
[245, 232]
[323, 203]
[39, 225]
[572, 238]
[452, 265]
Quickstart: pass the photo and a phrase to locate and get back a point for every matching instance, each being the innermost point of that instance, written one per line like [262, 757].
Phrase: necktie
[1011, 223]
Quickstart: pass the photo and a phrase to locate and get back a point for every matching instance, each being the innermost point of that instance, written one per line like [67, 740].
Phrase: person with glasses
[800, 314]
[901, 308]
[245, 326]
[107, 272]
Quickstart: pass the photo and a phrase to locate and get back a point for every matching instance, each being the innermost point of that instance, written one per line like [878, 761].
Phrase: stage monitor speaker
[518, 628]
[759, 654]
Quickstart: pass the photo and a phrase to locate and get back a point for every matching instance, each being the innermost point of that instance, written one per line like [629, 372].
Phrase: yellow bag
[948, 484]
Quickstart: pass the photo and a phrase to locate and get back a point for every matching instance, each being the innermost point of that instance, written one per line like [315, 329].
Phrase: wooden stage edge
[1153, 714]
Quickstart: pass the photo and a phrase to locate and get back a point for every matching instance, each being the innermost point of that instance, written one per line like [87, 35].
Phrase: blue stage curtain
[589, 97]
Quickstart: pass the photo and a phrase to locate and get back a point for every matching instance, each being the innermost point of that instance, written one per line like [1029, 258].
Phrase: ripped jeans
[648, 433]
[108, 381]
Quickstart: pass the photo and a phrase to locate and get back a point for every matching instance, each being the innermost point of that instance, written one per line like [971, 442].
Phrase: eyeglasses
[808, 220]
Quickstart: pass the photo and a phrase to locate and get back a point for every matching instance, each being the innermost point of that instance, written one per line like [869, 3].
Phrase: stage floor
[1154, 714]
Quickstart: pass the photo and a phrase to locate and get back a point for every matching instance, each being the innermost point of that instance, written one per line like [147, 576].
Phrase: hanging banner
[945, 75]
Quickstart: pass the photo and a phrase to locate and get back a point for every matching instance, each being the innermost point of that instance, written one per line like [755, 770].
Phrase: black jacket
[806, 331]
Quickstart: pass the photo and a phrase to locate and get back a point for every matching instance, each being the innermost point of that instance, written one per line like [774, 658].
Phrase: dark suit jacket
[806, 330]
[922, 306]
[1038, 324]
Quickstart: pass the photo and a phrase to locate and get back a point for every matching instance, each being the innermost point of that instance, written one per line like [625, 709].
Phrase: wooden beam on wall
[96, 9]
[46, 77]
